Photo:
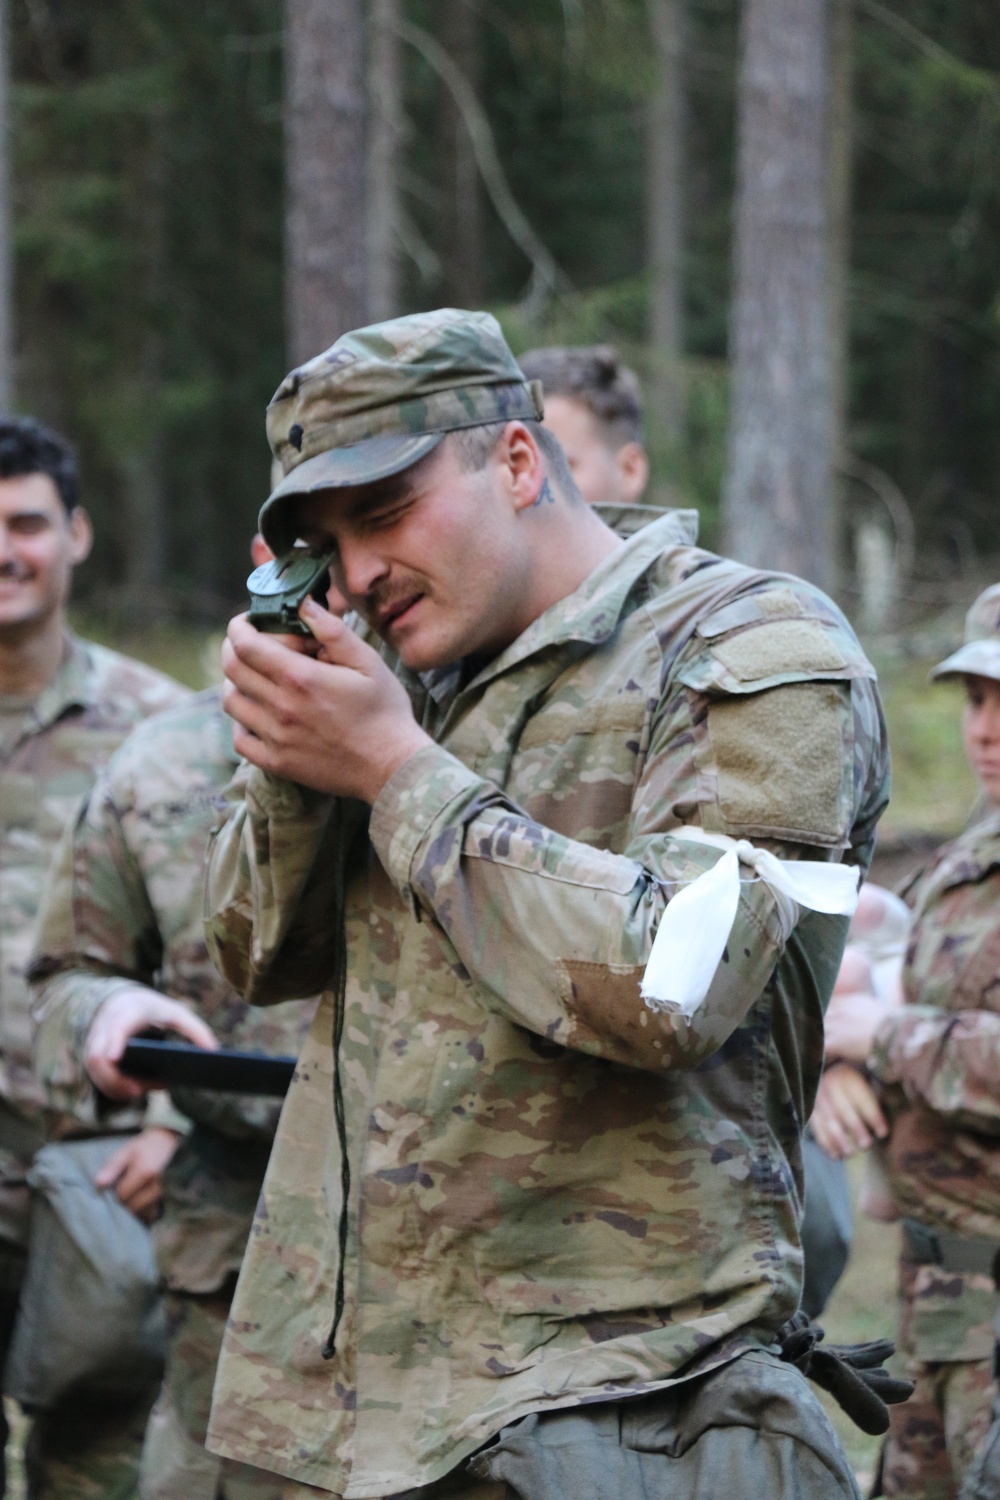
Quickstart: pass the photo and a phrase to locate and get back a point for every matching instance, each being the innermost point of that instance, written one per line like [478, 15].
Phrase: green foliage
[933, 790]
[149, 238]
[148, 209]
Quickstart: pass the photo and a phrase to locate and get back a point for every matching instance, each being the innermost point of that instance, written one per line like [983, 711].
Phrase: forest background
[786, 214]
[200, 194]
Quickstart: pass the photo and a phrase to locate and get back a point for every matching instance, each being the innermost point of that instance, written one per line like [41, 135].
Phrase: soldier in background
[593, 405]
[506, 1193]
[120, 930]
[935, 1062]
[65, 704]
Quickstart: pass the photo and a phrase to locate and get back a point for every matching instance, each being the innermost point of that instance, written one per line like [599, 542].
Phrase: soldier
[508, 1197]
[65, 704]
[593, 405]
[936, 1062]
[121, 927]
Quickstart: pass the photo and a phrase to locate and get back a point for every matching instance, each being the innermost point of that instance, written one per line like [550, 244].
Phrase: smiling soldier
[535, 1195]
[65, 705]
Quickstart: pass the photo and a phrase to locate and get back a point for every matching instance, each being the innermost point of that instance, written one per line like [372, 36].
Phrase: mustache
[386, 599]
[11, 568]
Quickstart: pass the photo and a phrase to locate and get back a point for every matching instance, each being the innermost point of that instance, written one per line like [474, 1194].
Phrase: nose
[361, 566]
[6, 549]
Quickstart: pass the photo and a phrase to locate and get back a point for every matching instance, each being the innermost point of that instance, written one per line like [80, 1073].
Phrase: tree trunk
[777, 501]
[841, 152]
[665, 222]
[461, 241]
[385, 84]
[6, 253]
[144, 535]
[326, 291]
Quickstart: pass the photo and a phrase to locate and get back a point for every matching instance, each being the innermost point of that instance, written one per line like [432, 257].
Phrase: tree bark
[6, 251]
[665, 222]
[461, 241]
[777, 501]
[385, 84]
[144, 535]
[326, 285]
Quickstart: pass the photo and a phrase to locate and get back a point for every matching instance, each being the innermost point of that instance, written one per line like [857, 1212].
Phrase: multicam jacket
[557, 1195]
[55, 745]
[124, 906]
[939, 1058]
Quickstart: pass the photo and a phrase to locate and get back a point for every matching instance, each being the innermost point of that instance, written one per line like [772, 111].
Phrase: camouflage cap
[383, 397]
[980, 656]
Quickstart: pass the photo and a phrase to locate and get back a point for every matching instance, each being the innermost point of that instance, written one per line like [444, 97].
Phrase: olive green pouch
[90, 1313]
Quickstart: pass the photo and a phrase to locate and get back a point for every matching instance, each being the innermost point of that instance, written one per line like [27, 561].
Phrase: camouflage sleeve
[947, 1060]
[96, 934]
[554, 932]
[269, 887]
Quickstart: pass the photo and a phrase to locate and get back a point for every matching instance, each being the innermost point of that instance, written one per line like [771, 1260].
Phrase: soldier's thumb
[339, 645]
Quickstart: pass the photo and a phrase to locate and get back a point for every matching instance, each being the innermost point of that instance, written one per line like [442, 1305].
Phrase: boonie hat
[980, 656]
[383, 397]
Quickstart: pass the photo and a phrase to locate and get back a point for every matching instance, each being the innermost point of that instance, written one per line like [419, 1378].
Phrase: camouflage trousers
[934, 1436]
[753, 1427]
[81, 1449]
[175, 1462]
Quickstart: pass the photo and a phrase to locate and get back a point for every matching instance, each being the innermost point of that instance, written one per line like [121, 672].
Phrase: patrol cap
[383, 397]
[980, 656]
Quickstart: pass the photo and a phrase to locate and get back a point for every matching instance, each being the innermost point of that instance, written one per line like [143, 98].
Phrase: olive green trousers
[752, 1428]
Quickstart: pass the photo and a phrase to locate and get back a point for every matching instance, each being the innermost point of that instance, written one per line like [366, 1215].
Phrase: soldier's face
[434, 560]
[39, 547]
[604, 475]
[981, 732]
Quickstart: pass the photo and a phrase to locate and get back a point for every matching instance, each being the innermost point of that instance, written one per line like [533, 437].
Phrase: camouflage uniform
[52, 747]
[938, 1059]
[125, 906]
[558, 1196]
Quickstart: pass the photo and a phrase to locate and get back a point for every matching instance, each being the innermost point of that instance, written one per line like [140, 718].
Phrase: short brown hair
[594, 375]
[474, 445]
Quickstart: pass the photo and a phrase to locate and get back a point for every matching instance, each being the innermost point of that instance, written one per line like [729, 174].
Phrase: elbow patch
[608, 1016]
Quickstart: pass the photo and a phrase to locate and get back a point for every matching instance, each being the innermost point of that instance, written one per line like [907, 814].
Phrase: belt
[957, 1254]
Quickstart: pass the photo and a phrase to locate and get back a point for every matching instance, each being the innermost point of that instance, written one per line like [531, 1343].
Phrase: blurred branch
[546, 276]
[44, 28]
[894, 501]
[426, 260]
[922, 42]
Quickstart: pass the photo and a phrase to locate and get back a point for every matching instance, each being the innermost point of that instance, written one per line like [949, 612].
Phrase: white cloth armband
[695, 926]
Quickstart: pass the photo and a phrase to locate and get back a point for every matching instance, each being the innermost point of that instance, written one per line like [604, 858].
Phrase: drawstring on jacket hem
[339, 987]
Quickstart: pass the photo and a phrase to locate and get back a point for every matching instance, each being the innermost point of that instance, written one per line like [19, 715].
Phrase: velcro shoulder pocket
[768, 653]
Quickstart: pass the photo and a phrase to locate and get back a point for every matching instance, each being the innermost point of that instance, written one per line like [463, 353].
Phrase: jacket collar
[71, 687]
[591, 614]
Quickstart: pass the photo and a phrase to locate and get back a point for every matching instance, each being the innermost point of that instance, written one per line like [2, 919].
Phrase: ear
[633, 465]
[260, 552]
[522, 465]
[81, 535]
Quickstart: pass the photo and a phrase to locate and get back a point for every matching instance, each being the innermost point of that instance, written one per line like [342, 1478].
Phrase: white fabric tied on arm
[692, 934]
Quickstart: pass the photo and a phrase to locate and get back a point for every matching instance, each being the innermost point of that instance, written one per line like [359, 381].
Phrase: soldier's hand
[124, 1015]
[136, 1170]
[847, 1117]
[850, 1025]
[339, 722]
